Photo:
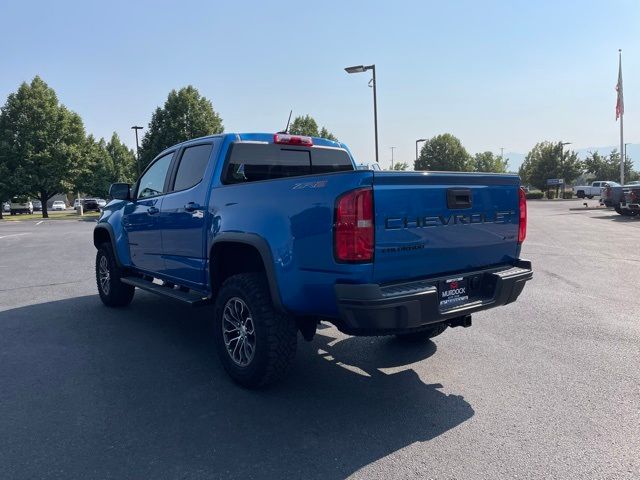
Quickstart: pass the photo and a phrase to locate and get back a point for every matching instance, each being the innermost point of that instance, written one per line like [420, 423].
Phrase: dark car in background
[612, 196]
[90, 204]
[630, 204]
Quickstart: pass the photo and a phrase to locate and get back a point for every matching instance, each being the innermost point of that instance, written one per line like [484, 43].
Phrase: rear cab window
[193, 163]
[252, 162]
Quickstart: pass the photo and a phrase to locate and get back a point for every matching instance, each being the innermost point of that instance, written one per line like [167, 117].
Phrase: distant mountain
[633, 152]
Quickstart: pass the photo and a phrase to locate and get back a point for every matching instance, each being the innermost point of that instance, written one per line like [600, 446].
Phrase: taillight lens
[286, 139]
[522, 226]
[353, 227]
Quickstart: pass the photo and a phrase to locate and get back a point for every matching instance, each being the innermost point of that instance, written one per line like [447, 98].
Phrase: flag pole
[621, 100]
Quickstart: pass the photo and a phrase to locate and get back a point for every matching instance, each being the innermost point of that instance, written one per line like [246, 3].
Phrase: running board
[190, 298]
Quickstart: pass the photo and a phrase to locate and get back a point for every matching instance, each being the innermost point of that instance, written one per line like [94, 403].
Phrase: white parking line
[39, 222]
[14, 235]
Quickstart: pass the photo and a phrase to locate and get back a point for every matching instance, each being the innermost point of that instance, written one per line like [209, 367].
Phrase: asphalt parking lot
[548, 387]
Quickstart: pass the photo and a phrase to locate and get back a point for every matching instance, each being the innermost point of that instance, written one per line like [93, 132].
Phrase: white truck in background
[590, 191]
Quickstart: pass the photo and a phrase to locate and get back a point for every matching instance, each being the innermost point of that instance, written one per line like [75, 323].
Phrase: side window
[192, 166]
[152, 182]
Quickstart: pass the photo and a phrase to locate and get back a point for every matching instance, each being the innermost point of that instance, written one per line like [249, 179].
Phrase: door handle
[191, 206]
[152, 210]
[459, 198]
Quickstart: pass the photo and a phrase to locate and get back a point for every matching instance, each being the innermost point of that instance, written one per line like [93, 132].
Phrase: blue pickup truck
[283, 231]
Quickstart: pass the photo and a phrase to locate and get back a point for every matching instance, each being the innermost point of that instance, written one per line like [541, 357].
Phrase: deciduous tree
[444, 153]
[185, 115]
[608, 168]
[545, 161]
[307, 125]
[324, 133]
[489, 162]
[6, 191]
[400, 166]
[41, 139]
[98, 171]
[124, 160]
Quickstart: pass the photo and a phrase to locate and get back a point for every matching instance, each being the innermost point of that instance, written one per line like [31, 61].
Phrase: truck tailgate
[431, 223]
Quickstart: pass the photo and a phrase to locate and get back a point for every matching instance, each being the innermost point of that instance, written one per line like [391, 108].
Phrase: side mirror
[120, 191]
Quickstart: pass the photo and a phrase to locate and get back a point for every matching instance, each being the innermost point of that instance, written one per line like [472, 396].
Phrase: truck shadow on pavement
[92, 392]
[618, 218]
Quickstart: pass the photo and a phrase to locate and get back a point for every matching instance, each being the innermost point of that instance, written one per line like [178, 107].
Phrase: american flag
[620, 100]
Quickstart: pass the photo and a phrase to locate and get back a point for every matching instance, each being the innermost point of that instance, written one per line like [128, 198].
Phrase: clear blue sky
[495, 74]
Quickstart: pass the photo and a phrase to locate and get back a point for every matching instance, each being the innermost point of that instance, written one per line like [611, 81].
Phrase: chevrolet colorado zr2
[282, 231]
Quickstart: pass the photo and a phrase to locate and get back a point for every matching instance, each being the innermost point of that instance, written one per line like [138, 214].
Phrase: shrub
[551, 194]
[567, 195]
[534, 195]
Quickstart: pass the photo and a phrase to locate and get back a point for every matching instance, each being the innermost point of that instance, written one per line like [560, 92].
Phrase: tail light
[353, 227]
[606, 192]
[634, 196]
[286, 139]
[522, 226]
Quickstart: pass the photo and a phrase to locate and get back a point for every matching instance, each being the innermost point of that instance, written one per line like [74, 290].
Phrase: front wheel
[113, 292]
[256, 343]
[422, 335]
[618, 210]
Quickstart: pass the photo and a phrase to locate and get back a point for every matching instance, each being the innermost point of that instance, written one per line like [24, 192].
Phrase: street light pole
[375, 108]
[625, 152]
[562, 144]
[417, 142]
[360, 69]
[136, 128]
[392, 149]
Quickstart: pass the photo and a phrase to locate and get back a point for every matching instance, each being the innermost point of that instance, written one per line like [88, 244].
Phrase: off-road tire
[117, 294]
[618, 210]
[275, 332]
[422, 335]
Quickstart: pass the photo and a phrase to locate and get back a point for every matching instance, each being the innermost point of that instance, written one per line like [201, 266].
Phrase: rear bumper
[372, 309]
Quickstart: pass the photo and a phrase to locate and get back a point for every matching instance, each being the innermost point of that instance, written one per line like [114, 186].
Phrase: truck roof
[259, 137]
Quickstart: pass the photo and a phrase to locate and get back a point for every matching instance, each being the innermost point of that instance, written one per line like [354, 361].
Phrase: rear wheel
[422, 335]
[113, 292]
[590, 197]
[255, 342]
[618, 210]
